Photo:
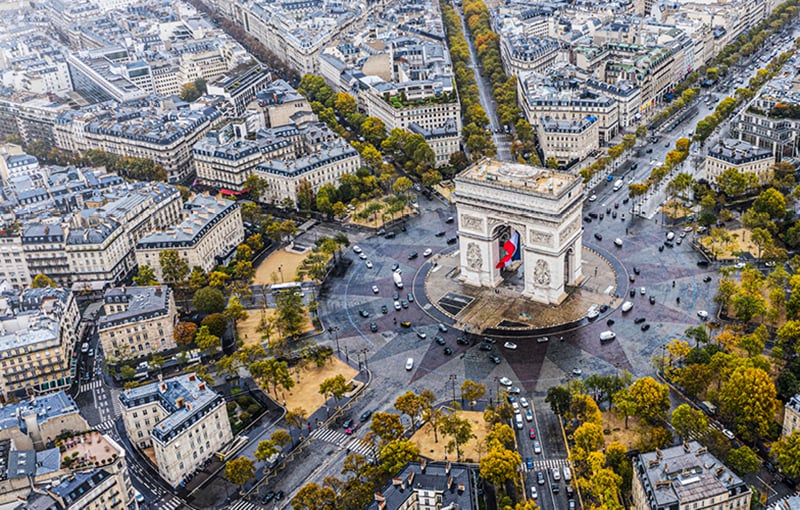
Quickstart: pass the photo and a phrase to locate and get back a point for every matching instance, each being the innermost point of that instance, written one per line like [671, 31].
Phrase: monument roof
[538, 180]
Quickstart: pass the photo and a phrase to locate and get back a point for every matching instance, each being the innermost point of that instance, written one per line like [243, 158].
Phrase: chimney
[202, 387]
[423, 464]
[379, 497]
[162, 387]
[178, 402]
[447, 467]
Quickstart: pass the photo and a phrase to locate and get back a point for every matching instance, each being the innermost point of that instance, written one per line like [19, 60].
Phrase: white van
[606, 336]
[567, 474]
[618, 185]
[626, 306]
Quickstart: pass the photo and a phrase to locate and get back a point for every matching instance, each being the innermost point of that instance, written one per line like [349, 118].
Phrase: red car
[532, 434]
[351, 429]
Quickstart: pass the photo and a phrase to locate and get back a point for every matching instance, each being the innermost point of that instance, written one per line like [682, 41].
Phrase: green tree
[688, 422]
[402, 185]
[624, 404]
[472, 391]
[314, 497]
[145, 276]
[386, 426]
[235, 312]
[748, 400]
[396, 454]
[290, 312]
[173, 267]
[240, 471]
[459, 430]
[243, 252]
[787, 451]
[502, 434]
[197, 278]
[743, 461]
[206, 341]
[499, 465]
[588, 438]
[651, 398]
[771, 202]
[208, 300]
[335, 386]
[217, 324]
[559, 399]
[409, 403]
[266, 449]
[273, 373]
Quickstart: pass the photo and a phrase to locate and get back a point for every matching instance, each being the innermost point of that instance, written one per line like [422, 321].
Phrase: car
[396, 296]
[593, 215]
[514, 390]
[632, 278]
[351, 429]
[607, 336]
[649, 151]
[441, 234]
[587, 219]
[505, 381]
[592, 314]
[528, 415]
[489, 340]
[410, 297]
[727, 433]
[485, 347]
[652, 300]
[577, 371]
[515, 407]
[373, 327]
[598, 236]
[518, 421]
[618, 242]
[554, 487]
[412, 255]
[405, 324]
[529, 463]
[702, 314]
[739, 265]
[452, 240]
[375, 289]
[380, 232]
[639, 320]
[645, 327]
[462, 340]
[570, 492]
[85, 347]
[523, 402]
[707, 279]
[603, 308]
[626, 306]
[369, 265]
[422, 335]
[592, 198]
[347, 423]
[567, 474]
[537, 448]
[427, 253]
[702, 263]
[384, 309]
[632, 293]
[363, 313]
[395, 267]
[362, 256]
[366, 414]
[449, 219]
[439, 340]
[90, 353]
[556, 474]
[404, 303]
[278, 495]
[397, 305]
[532, 433]
[448, 351]
[390, 235]
[636, 270]
[268, 497]
[494, 359]
[643, 291]
[510, 345]
[442, 327]
[540, 478]
[357, 249]
[542, 339]
[534, 494]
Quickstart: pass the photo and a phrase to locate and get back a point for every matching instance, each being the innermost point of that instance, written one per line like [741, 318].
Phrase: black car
[363, 313]
[448, 351]
[645, 326]
[404, 304]
[632, 277]
[702, 263]
[603, 308]
[450, 220]
[707, 279]
[347, 423]
[365, 415]
[652, 300]
[410, 297]
[439, 340]
[587, 219]
[593, 215]
[489, 340]
[540, 478]
[639, 320]
[390, 235]
[632, 293]
[268, 497]
[485, 347]
[440, 234]
[412, 255]
[452, 240]
[373, 327]
[396, 296]
[610, 322]
[278, 495]
[462, 340]
[494, 359]
[384, 309]
[598, 237]
[649, 151]
[570, 491]
[636, 270]
[395, 266]
[626, 200]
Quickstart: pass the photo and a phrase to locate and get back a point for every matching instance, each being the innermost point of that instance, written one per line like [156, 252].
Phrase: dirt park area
[247, 328]
[470, 452]
[305, 393]
[280, 267]
[734, 242]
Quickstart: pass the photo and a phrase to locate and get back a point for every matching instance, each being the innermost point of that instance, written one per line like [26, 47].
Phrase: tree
[743, 461]
[551, 162]
[374, 131]
[499, 465]
[584, 409]
[235, 312]
[281, 437]
[184, 332]
[189, 92]
[588, 438]
[386, 426]
[145, 276]
[197, 278]
[651, 398]
[173, 267]
[559, 399]
[256, 187]
[688, 422]
[243, 252]
[217, 324]
[297, 417]
[239, 471]
[266, 449]
[217, 279]
[748, 399]
[459, 430]
[273, 373]
[290, 312]
[335, 386]
[314, 497]
[624, 404]
[771, 202]
[411, 404]
[395, 454]
[472, 391]
[402, 185]
[787, 451]
[209, 300]
[206, 341]
[502, 434]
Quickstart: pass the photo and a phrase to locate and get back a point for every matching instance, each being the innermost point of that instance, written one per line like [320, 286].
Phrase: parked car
[510, 345]
[366, 414]
[485, 347]
[645, 327]
[409, 363]
[505, 381]
[495, 359]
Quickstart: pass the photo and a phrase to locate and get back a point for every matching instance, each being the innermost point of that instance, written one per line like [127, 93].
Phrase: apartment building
[686, 476]
[628, 98]
[13, 267]
[239, 87]
[225, 163]
[567, 140]
[137, 321]
[182, 419]
[732, 153]
[98, 250]
[427, 485]
[283, 105]
[16, 165]
[211, 232]
[791, 416]
[444, 141]
[38, 334]
[522, 53]
[427, 103]
[35, 423]
[44, 253]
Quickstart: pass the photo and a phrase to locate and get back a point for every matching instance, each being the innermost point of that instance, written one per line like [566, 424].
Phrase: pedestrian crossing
[172, 504]
[344, 441]
[544, 464]
[89, 386]
[106, 426]
[242, 504]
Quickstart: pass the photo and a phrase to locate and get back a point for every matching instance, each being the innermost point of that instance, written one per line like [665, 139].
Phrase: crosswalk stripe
[343, 440]
[539, 465]
[86, 387]
[242, 504]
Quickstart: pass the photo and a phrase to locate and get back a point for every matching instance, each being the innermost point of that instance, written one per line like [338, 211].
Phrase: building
[99, 76]
[522, 53]
[98, 251]
[182, 419]
[14, 165]
[686, 476]
[13, 267]
[137, 321]
[443, 141]
[211, 232]
[791, 416]
[731, 153]
[35, 423]
[427, 103]
[427, 485]
[43, 249]
[38, 334]
[567, 141]
[283, 105]
[239, 87]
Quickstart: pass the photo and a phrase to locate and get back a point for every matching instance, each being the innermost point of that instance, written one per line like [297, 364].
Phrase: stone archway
[543, 206]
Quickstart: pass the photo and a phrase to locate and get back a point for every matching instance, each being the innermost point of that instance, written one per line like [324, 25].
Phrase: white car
[528, 415]
[577, 371]
[607, 335]
[567, 474]
[523, 402]
[702, 314]
[362, 256]
[515, 407]
[593, 313]
[542, 339]
[375, 289]
[427, 253]
[556, 474]
[356, 249]
[409, 363]
[534, 494]
[510, 345]
[505, 381]
[727, 433]
[643, 291]
[626, 306]
[592, 198]
[369, 265]
[618, 241]
[739, 265]
[397, 305]
[537, 448]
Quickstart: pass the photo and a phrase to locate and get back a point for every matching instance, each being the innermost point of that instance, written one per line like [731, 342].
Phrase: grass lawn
[267, 272]
[305, 393]
[436, 451]
[739, 241]
[247, 328]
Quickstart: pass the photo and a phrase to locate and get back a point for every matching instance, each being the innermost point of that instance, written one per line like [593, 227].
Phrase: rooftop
[538, 180]
[141, 303]
[204, 211]
[738, 152]
[89, 449]
[450, 481]
[46, 407]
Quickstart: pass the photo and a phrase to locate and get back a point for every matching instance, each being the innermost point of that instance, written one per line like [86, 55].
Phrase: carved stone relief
[541, 273]
[474, 258]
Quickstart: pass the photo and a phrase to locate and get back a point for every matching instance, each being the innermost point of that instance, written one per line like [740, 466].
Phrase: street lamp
[365, 351]
[453, 378]
[335, 330]
[280, 271]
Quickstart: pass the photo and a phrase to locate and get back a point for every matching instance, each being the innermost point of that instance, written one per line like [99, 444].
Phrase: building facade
[738, 154]
[567, 140]
[791, 416]
[137, 321]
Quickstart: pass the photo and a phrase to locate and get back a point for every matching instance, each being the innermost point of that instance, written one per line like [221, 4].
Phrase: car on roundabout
[505, 381]
[510, 345]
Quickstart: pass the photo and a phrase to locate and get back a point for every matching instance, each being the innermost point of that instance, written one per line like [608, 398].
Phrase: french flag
[511, 246]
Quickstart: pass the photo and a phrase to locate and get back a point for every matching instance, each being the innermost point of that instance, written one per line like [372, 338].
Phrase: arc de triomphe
[542, 205]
